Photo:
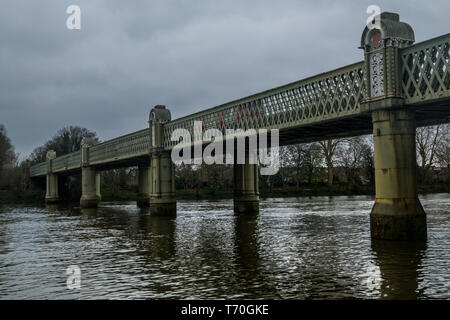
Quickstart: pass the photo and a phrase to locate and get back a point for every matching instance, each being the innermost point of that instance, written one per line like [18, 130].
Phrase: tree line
[346, 162]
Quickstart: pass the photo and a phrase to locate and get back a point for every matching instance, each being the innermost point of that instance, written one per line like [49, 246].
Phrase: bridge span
[398, 86]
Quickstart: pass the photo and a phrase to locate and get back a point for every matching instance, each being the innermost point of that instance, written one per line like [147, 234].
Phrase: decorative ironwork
[425, 70]
[67, 162]
[376, 74]
[129, 146]
[329, 95]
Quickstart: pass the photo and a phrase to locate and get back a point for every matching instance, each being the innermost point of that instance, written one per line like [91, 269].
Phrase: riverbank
[35, 196]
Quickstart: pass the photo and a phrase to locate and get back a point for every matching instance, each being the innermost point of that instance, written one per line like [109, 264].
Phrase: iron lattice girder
[425, 70]
[328, 97]
[325, 96]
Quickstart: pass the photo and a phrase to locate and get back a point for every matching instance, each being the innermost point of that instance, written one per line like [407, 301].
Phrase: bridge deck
[324, 106]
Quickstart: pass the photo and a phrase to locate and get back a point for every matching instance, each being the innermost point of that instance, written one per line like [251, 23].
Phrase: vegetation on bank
[331, 167]
[36, 196]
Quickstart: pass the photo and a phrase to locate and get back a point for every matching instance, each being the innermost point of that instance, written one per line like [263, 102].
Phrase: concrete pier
[90, 178]
[89, 191]
[51, 192]
[162, 196]
[162, 175]
[246, 188]
[397, 213]
[144, 184]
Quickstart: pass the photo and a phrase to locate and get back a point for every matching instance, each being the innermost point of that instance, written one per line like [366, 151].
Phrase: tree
[66, 140]
[7, 154]
[443, 149]
[368, 161]
[305, 160]
[351, 157]
[428, 142]
[329, 148]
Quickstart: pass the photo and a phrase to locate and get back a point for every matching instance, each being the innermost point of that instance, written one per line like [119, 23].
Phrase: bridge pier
[51, 190]
[162, 169]
[51, 194]
[246, 188]
[90, 178]
[90, 188]
[144, 183]
[162, 196]
[397, 213]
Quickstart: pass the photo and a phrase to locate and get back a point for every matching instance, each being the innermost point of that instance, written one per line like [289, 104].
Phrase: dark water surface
[297, 248]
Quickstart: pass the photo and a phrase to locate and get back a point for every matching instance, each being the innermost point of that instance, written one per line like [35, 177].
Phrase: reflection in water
[296, 248]
[251, 276]
[162, 232]
[399, 263]
[90, 212]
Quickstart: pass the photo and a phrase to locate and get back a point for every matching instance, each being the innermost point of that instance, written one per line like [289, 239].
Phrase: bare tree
[429, 141]
[351, 157]
[329, 148]
[443, 149]
[66, 140]
[305, 160]
[8, 157]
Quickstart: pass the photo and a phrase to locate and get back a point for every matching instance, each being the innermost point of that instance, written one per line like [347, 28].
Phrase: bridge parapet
[329, 95]
[67, 162]
[129, 146]
[426, 70]
[39, 169]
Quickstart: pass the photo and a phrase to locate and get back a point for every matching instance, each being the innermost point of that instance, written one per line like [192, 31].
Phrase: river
[296, 248]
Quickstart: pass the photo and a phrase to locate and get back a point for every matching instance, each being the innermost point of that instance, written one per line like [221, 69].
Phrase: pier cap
[160, 114]
[391, 31]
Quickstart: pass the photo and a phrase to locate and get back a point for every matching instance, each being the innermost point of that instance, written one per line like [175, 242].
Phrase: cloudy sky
[188, 55]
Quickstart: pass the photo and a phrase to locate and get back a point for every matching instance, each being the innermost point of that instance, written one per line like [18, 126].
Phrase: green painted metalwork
[425, 70]
[129, 146]
[66, 162]
[328, 95]
[38, 169]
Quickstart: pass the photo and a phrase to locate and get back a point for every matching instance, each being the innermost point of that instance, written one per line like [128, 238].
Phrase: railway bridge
[397, 87]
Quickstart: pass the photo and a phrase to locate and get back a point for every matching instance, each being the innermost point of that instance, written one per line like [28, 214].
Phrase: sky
[191, 55]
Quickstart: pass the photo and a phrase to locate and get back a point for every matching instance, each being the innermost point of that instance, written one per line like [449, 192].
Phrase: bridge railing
[426, 70]
[128, 146]
[328, 95]
[67, 162]
[38, 169]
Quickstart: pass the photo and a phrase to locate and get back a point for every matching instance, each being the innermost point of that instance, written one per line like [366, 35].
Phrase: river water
[297, 248]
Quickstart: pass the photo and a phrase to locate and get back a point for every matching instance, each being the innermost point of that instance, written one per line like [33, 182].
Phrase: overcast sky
[188, 55]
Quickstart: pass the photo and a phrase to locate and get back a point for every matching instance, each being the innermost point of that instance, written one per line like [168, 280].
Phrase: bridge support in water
[144, 184]
[90, 178]
[162, 196]
[246, 188]
[51, 192]
[397, 213]
[162, 173]
[90, 188]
